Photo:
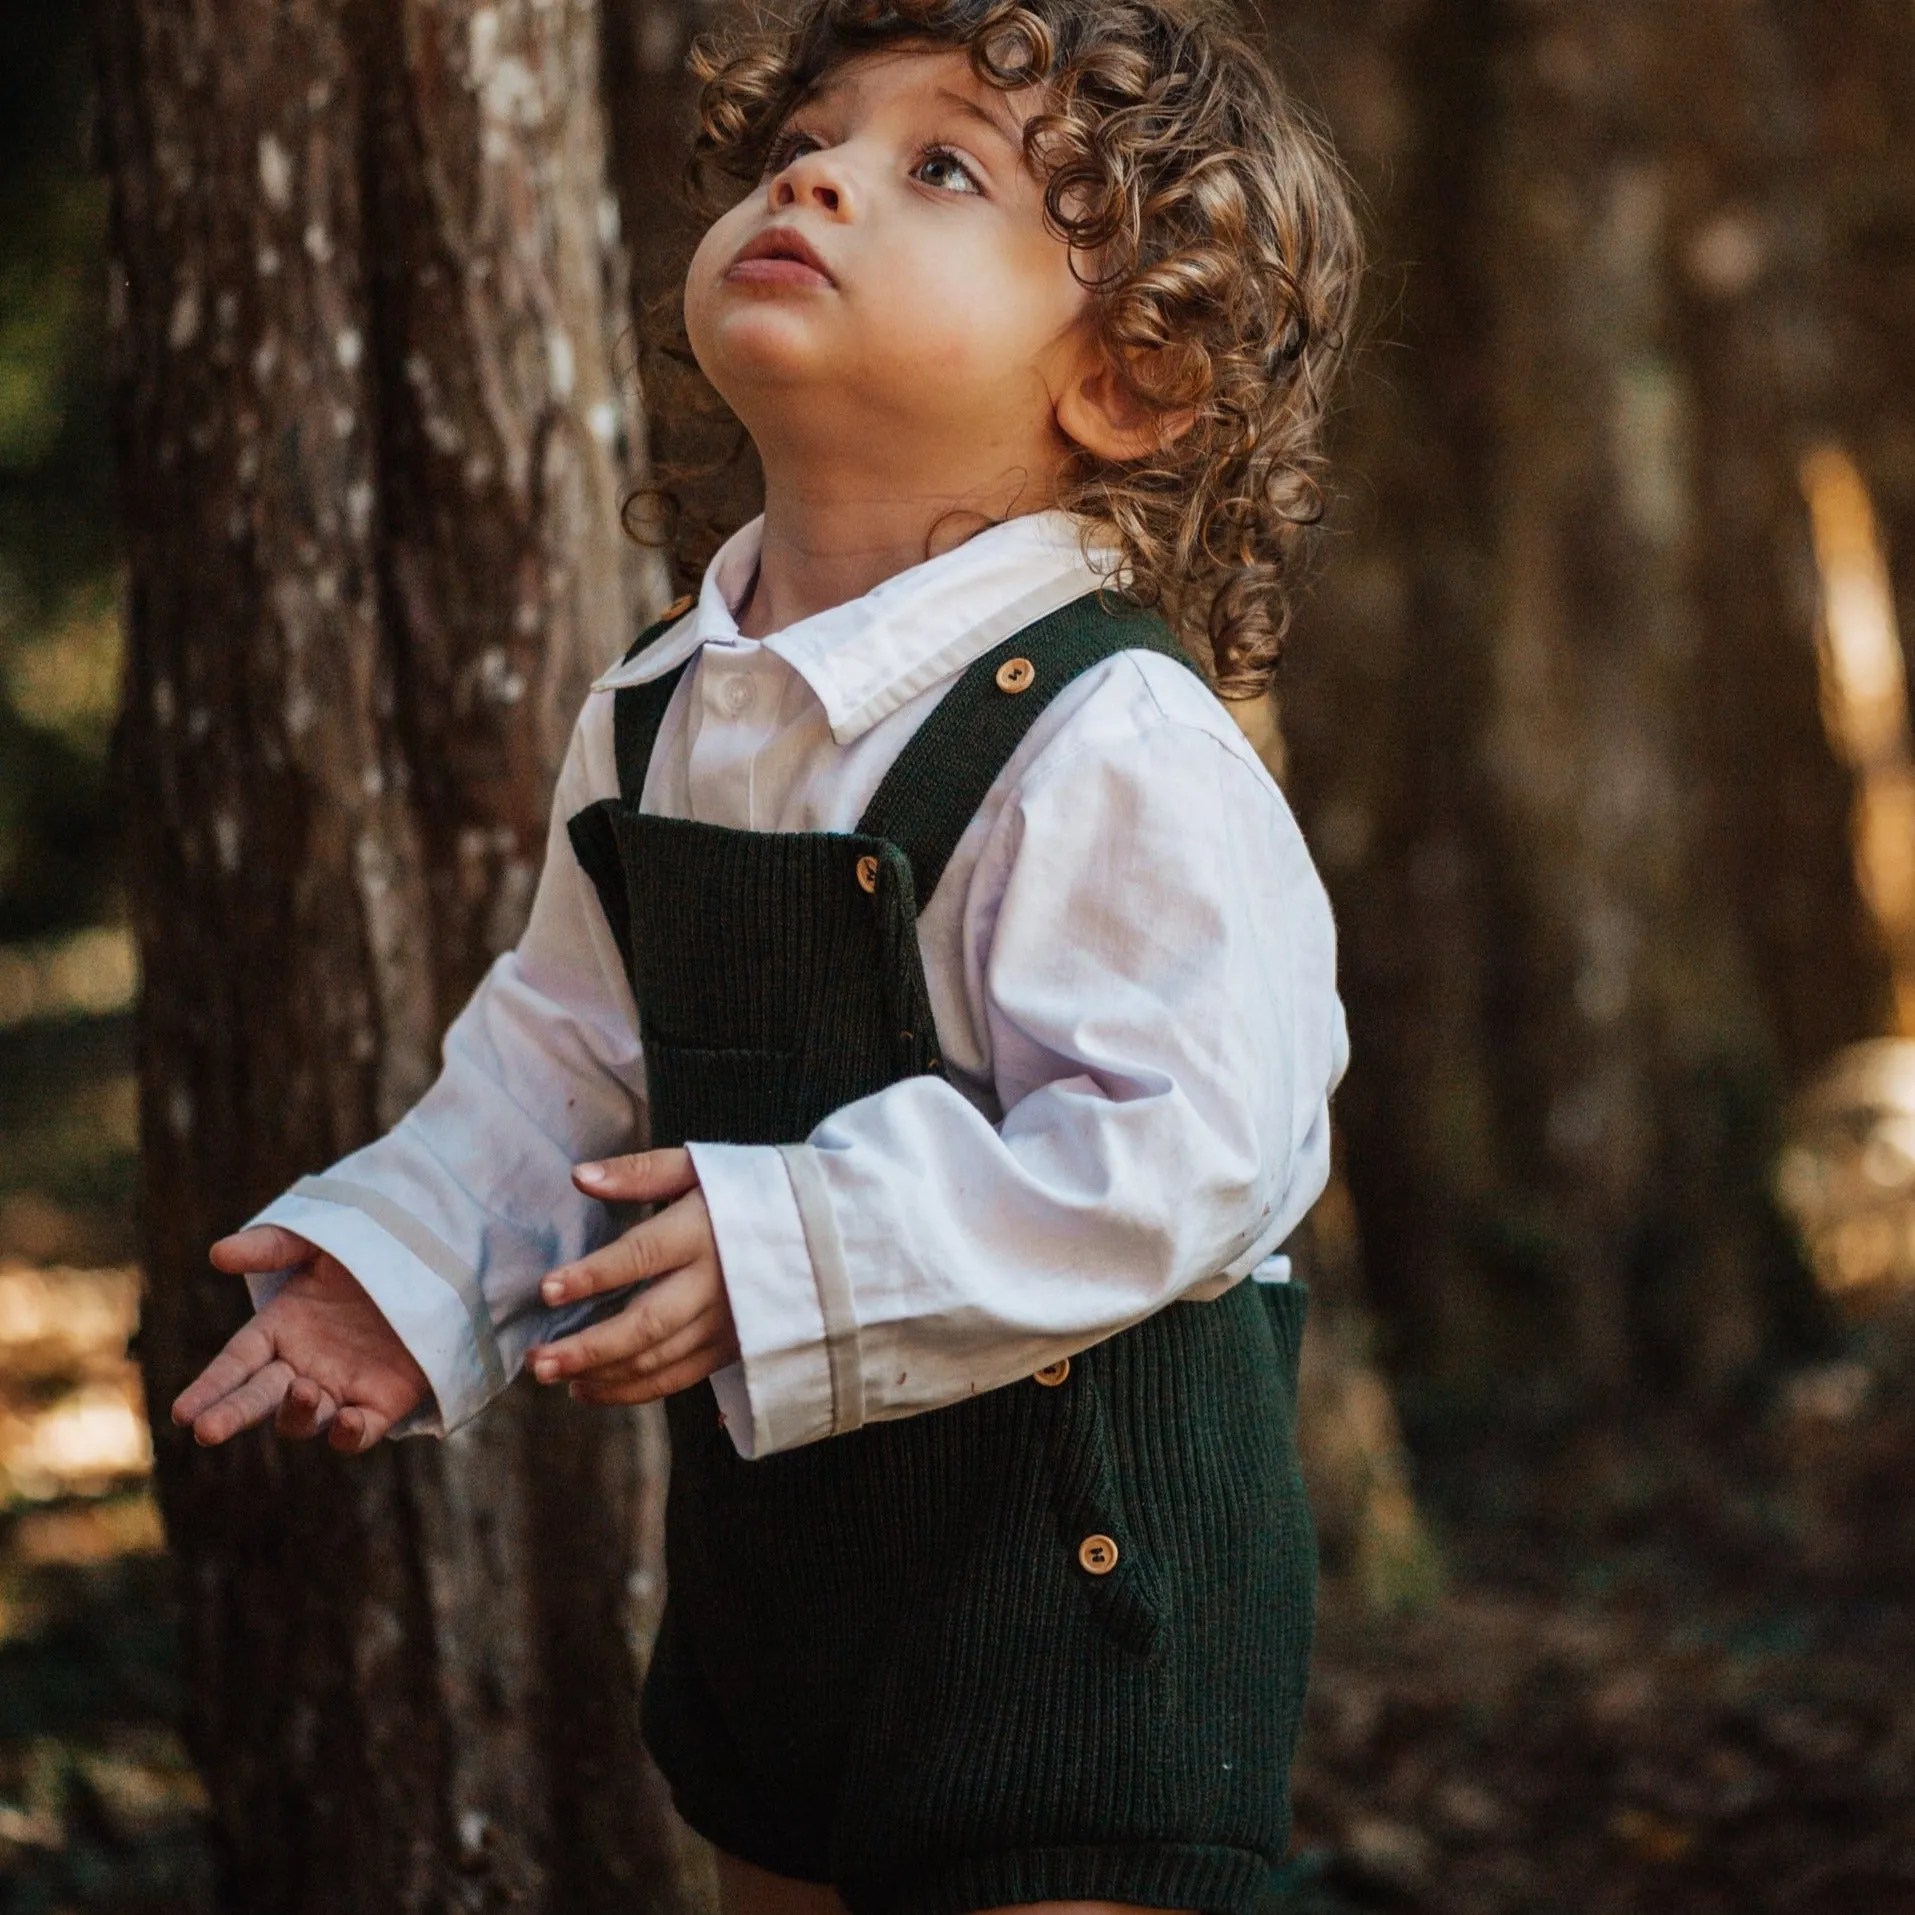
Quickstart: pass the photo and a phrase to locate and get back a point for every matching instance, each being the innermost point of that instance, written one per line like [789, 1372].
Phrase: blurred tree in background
[1554, 709]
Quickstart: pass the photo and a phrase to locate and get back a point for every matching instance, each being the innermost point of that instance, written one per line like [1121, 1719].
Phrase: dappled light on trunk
[1847, 1174]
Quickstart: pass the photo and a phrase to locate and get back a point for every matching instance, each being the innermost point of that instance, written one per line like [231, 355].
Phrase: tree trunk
[1860, 61]
[366, 286]
[1553, 704]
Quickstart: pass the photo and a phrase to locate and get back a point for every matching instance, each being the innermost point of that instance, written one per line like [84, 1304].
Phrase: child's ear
[1098, 411]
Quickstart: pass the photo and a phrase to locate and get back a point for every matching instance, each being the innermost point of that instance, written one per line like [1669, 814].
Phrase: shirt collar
[865, 659]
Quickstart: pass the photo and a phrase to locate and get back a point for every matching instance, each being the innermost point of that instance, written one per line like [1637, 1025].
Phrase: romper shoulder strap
[636, 712]
[639, 710]
[933, 789]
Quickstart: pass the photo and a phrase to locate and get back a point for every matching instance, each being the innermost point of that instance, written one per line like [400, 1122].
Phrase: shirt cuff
[426, 1305]
[789, 1384]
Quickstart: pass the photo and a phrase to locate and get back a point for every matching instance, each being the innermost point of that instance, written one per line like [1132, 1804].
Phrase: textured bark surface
[367, 282]
[1553, 707]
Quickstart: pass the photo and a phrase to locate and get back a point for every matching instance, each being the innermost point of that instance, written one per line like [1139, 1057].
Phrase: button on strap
[938, 781]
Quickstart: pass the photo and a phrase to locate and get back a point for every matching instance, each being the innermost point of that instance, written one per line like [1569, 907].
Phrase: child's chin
[766, 350]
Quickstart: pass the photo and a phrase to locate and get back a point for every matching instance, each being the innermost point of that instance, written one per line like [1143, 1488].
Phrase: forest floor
[1710, 1708]
[1669, 1673]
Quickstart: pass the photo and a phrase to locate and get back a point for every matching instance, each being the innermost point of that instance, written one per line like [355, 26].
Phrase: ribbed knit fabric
[883, 1663]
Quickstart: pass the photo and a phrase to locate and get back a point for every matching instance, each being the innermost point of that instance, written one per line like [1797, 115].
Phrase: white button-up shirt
[1130, 959]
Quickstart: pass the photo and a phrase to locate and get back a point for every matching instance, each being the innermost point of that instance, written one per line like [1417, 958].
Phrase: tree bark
[366, 288]
[1553, 705]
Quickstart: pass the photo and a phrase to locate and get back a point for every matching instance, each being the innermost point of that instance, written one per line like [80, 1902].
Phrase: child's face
[891, 292]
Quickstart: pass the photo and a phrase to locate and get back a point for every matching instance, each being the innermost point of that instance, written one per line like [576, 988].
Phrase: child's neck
[826, 545]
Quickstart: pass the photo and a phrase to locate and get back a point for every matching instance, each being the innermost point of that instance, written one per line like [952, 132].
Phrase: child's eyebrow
[967, 105]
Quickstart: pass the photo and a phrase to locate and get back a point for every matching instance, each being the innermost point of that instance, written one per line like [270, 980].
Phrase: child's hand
[319, 1357]
[676, 1330]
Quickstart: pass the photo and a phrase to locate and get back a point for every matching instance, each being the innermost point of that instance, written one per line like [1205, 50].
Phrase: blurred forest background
[316, 402]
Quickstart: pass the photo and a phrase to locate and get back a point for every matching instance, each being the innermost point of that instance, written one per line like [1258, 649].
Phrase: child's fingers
[651, 1317]
[647, 1176]
[654, 1248]
[248, 1350]
[707, 1327]
[304, 1410]
[681, 1376]
[357, 1428]
[253, 1402]
[264, 1247]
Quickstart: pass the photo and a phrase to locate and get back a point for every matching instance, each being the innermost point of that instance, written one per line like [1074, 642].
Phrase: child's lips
[780, 257]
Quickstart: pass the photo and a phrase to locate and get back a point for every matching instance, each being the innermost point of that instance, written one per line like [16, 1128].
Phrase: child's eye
[942, 168]
[789, 144]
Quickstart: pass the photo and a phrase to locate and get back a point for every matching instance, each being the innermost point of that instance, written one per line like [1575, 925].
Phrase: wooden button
[1052, 1374]
[868, 872]
[1098, 1554]
[1016, 675]
[679, 607]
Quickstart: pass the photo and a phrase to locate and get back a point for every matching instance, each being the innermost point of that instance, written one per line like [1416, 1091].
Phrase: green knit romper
[1046, 1643]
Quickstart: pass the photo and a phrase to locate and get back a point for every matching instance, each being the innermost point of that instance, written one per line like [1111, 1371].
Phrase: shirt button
[1098, 1554]
[737, 695]
[1016, 675]
[1052, 1374]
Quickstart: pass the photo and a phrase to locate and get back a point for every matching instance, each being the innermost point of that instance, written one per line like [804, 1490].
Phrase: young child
[917, 901]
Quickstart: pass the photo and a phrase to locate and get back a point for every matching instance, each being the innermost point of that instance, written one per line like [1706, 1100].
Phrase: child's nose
[812, 181]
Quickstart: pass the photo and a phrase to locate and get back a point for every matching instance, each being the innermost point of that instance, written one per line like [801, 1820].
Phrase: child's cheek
[973, 316]
[944, 324]
[702, 281]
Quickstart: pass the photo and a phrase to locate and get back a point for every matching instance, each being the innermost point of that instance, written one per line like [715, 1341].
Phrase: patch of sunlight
[54, 1319]
[95, 1532]
[36, 1822]
[143, 1790]
[83, 1444]
[141, 1787]
[1864, 692]
[1846, 1174]
[90, 973]
[1864, 688]
[66, 678]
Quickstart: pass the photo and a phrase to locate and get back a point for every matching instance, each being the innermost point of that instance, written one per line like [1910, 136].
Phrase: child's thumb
[264, 1247]
[647, 1176]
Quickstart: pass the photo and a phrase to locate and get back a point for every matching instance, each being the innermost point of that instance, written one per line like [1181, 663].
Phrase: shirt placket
[737, 716]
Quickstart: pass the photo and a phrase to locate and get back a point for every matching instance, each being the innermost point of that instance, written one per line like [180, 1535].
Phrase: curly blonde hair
[1212, 226]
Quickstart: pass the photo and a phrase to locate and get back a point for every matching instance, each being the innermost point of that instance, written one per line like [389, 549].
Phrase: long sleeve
[1152, 957]
[451, 1219]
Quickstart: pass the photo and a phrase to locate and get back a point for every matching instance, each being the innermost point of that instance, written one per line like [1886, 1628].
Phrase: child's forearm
[450, 1221]
[882, 1283]
[916, 1251]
